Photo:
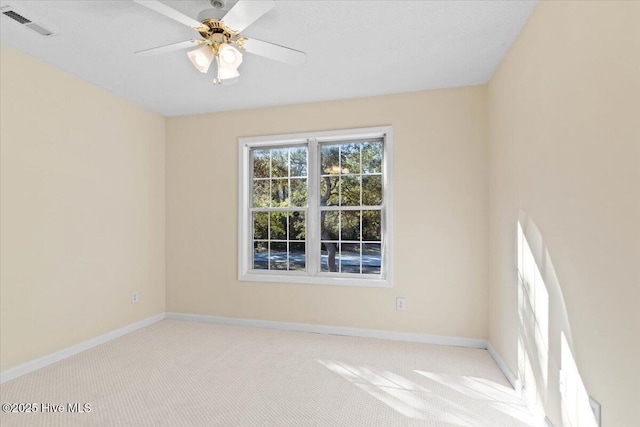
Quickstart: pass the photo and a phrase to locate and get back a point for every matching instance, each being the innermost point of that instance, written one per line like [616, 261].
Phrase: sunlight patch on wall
[533, 311]
[546, 365]
[576, 411]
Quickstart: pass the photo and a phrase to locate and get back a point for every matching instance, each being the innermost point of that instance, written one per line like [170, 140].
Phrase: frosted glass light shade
[224, 72]
[229, 56]
[201, 58]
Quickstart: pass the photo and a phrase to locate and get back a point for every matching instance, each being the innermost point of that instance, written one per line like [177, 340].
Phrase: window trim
[313, 139]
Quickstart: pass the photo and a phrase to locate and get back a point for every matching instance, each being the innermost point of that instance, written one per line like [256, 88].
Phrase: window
[315, 208]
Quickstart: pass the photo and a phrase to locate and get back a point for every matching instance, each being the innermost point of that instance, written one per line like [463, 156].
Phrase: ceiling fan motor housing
[216, 32]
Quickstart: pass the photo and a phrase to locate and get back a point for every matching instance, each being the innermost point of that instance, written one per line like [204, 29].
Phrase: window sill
[315, 280]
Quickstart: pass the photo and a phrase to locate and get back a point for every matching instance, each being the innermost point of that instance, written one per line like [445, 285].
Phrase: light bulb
[229, 56]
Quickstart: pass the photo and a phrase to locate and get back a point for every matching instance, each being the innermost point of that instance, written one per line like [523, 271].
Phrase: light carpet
[177, 373]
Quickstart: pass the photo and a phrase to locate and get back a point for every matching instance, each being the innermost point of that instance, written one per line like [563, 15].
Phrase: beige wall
[83, 206]
[440, 215]
[82, 210]
[564, 154]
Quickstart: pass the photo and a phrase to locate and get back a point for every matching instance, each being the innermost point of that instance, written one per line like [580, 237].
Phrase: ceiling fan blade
[170, 47]
[274, 51]
[246, 12]
[169, 12]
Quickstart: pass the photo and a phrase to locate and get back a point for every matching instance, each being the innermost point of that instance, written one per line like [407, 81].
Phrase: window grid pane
[277, 230]
[351, 248]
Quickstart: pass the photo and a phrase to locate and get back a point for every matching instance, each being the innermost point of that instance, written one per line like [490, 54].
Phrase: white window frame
[313, 275]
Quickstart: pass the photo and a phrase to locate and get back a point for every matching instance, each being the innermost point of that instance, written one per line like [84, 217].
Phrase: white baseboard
[41, 362]
[333, 330]
[513, 379]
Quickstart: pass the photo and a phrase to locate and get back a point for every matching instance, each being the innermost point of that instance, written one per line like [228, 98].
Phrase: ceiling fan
[221, 40]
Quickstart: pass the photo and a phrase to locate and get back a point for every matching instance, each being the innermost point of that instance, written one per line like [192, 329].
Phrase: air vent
[16, 17]
[27, 22]
[40, 30]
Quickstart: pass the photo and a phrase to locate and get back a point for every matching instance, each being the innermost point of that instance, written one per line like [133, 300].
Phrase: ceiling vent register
[27, 23]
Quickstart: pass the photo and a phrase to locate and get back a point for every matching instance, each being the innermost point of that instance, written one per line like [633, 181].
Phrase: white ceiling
[355, 48]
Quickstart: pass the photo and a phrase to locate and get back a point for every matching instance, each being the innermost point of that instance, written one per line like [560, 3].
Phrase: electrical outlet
[401, 304]
[597, 410]
[134, 297]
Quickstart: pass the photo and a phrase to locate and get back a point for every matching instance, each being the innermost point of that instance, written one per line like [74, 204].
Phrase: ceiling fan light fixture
[221, 37]
[201, 58]
[229, 56]
[225, 72]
